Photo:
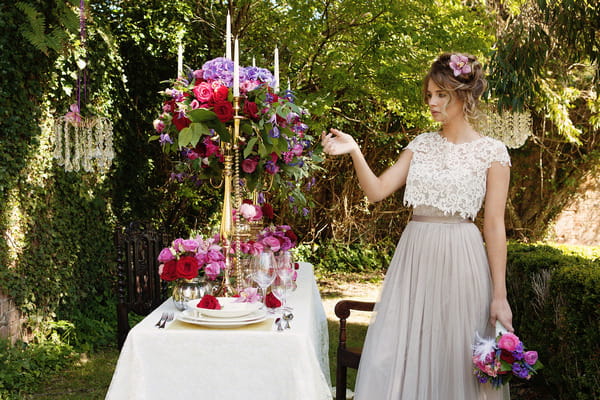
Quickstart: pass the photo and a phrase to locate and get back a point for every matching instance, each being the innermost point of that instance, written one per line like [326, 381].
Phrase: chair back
[139, 287]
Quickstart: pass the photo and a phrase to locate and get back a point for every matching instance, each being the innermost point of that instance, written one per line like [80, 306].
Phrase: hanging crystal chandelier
[510, 127]
[83, 143]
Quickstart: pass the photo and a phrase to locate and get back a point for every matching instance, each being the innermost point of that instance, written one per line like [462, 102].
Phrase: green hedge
[554, 292]
[555, 295]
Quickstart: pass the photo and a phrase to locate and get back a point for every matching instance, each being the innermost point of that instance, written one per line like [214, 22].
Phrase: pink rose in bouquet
[498, 360]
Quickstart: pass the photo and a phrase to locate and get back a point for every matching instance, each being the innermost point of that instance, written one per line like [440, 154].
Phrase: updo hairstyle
[466, 86]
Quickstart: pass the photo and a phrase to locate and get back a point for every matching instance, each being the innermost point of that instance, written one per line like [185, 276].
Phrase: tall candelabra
[230, 232]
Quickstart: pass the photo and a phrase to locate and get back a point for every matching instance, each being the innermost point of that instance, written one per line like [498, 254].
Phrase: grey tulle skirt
[435, 296]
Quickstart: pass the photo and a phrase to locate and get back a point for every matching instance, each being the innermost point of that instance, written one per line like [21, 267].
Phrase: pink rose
[248, 211]
[508, 341]
[203, 92]
[190, 245]
[272, 243]
[530, 357]
[195, 104]
[165, 255]
[178, 245]
[213, 269]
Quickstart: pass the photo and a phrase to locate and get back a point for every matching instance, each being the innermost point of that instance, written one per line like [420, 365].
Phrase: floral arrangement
[498, 360]
[275, 148]
[186, 258]
[277, 239]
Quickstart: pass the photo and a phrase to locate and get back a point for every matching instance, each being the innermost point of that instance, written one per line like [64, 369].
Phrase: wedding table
[252, 362]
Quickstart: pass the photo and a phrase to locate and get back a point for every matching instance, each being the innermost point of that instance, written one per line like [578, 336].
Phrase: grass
[88, 379]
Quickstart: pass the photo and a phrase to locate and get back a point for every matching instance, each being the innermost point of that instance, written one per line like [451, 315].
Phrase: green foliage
[341, 257]
[23, 366]
[554, 292]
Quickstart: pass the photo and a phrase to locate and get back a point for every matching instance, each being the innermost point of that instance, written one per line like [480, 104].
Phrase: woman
[443, 285]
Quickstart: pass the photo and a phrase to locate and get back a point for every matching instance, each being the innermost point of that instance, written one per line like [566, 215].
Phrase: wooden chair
[140, 289]
[347, 357]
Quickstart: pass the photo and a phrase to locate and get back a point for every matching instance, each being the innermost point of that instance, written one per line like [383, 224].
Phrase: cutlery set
[164, 318]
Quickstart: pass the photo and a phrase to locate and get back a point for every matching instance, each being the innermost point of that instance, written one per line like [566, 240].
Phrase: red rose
[249, 165]
[221, 94]
[296, 265]
[251, 110]
[187, 267]
[272, 302]
[180, 121]
[507, 356]
[291, 235]
[169, 272]
[209, 302]
[224, 111]
[267, 210]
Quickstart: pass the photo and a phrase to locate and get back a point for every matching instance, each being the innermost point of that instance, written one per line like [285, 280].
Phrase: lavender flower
[165, 138]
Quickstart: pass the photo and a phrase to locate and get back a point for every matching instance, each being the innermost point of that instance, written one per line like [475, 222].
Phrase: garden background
[356, 65]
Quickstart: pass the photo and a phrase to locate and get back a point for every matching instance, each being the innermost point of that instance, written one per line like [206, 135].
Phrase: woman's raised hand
[337, 142]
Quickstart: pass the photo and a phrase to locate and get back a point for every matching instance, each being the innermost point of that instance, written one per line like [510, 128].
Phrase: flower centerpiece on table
[275, 147]
[187, 258]
[498, 360]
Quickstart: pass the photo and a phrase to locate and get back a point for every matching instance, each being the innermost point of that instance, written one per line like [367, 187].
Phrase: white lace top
[451, 177]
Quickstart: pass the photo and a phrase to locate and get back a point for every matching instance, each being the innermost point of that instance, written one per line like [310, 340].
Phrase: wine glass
[264, 272]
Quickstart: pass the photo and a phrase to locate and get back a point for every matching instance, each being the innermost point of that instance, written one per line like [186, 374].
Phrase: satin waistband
[451, 219]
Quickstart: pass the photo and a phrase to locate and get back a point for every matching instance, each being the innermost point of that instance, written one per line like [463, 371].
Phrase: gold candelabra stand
[230, 232]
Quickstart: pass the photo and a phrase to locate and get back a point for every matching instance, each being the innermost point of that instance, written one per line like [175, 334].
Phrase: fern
[35, 31]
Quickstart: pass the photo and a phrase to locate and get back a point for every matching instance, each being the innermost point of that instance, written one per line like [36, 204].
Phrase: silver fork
[162, 318]
[169, 318]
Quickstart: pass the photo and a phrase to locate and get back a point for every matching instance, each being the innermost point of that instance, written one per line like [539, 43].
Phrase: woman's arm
[494, 232]
[375, 188]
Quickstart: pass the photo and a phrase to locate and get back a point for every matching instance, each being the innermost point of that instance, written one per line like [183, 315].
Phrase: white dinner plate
[257, 316]
[229, 308]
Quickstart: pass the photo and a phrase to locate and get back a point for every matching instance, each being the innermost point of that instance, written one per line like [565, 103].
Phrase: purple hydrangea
[219, 69]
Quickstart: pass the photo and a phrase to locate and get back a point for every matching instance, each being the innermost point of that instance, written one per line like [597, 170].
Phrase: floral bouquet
[278, 239]
[275, 148]
[186, 258]
[498, 360]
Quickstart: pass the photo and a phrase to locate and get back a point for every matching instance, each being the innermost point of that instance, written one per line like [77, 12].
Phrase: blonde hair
[468, 87]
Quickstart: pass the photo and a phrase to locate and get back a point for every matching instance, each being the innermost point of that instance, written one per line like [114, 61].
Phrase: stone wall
[10, 319]
[579, 222]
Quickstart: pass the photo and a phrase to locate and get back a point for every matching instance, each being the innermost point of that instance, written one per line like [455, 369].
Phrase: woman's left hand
[500, 310]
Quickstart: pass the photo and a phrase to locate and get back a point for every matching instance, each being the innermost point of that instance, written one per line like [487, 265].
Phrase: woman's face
[442, 105]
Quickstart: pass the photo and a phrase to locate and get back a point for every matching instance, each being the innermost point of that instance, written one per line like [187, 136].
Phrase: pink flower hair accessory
[460, 64]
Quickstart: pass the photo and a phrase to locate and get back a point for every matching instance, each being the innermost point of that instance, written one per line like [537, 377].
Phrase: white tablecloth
[229, 364]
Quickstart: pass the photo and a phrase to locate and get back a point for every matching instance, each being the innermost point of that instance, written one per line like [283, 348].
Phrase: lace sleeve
[497, 152]
[419, 143]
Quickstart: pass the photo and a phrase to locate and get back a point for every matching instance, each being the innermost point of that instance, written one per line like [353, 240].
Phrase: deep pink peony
[508, 341]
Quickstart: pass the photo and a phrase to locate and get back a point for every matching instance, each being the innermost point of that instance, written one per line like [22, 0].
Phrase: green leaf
[250, 146]
[201, 115]
[185, 137]
[198, 130]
